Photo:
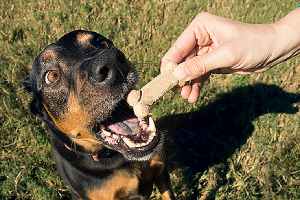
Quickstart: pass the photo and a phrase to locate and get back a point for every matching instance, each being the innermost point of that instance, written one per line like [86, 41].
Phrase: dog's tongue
[126, 127]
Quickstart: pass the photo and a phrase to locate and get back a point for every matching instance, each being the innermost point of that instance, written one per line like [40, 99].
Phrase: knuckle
[165, 58]
[196, 67]
[163, 62]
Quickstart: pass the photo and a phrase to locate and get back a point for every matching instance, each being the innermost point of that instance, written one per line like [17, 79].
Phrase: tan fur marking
[166, 196]
[48, 55]
[83, 38]
[120, 181]
[157, 164]
[74, 123]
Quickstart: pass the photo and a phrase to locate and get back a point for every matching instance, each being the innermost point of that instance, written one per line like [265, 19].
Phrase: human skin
[213, 44]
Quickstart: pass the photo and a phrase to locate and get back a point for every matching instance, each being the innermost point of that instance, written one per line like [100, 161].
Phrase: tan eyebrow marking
[83, 38]
[48, 55]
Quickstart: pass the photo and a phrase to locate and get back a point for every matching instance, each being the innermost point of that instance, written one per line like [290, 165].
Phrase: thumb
[197, 66]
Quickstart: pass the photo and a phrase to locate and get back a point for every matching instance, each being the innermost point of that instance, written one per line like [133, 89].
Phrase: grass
[240, 141]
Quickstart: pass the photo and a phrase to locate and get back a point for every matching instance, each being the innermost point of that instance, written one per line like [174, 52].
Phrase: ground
[240, 141]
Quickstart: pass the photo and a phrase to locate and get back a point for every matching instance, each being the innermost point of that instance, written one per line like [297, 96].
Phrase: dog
[102, 151]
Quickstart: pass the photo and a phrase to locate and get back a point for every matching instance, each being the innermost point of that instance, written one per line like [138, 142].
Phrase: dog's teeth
[144, 127]
[106, 133]
[114, 136]
[136, 145]
[151, 127]
[151, 130]
[129, 142]
[151, 136]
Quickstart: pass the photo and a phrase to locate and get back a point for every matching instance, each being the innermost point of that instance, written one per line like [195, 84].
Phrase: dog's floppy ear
[35, 105]
[27, 83]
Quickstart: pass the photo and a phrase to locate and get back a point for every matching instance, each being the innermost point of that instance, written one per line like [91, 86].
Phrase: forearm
[288, 37]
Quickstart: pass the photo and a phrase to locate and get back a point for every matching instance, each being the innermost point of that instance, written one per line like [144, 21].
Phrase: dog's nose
[101, 73]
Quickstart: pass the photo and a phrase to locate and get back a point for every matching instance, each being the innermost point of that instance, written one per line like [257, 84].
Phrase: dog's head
[79, 84]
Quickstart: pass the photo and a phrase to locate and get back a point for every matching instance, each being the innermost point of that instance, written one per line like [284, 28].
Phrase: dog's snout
[99, 71]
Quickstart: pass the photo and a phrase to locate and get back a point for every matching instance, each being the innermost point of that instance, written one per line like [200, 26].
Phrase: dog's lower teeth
[151, 127]
[129, 142]
[132, 144]
[105, 133]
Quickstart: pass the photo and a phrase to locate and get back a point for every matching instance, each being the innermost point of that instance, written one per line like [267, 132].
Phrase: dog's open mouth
[133, 132]
[125, 132]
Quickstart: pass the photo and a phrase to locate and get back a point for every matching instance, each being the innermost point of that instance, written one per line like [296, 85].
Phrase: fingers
[198, 52]
[192, 36]
[186, 91]
[182, 47]
[198, 66]
[195, 92]
[191, 91]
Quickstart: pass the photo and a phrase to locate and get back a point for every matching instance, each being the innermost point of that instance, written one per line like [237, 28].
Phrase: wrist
[287, 34]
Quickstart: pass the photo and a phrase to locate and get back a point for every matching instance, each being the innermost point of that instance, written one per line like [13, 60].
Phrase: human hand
[212, 44]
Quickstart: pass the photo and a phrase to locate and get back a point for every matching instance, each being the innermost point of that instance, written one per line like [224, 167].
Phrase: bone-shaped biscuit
[142, 99]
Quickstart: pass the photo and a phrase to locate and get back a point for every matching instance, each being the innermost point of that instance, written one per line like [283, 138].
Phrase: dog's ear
[36, 107]
[27, 83]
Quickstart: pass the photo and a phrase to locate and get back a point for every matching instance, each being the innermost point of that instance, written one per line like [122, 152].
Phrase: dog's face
[79, 85]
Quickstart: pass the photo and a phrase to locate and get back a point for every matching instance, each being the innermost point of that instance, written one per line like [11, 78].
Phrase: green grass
[240, 141]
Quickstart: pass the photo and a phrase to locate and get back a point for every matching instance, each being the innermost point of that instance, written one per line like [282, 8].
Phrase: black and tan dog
[102, 151]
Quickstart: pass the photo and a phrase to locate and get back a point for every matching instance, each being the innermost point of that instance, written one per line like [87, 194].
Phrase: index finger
[184, 44]
[194, 35]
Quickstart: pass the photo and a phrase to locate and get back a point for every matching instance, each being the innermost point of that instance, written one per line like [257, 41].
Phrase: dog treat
[141, 99]
[133, 97]
[141, 110]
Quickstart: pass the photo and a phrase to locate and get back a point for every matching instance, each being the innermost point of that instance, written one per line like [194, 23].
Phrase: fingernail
[180, 73]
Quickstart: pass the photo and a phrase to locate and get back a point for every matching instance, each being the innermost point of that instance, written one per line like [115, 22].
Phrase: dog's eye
[52, 76]
[101, 44]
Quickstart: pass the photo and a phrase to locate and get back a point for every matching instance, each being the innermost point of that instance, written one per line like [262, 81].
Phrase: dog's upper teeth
[114, 136]
[151, 127]
[132, 144]
[105, 133]
[143, 125]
